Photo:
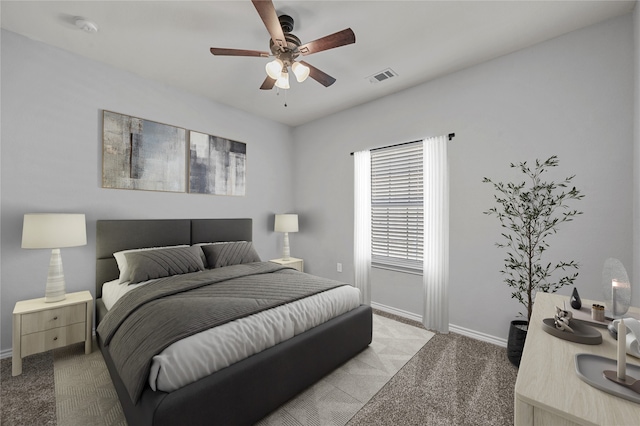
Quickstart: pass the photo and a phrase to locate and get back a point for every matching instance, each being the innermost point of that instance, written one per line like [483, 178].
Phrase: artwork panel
[116, 152]
[143, 154]
[198, 162]
[217, 165]
[240, 175]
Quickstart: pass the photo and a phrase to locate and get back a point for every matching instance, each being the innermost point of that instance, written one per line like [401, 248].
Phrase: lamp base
[51, 299]
[286, 252]
[55, 290]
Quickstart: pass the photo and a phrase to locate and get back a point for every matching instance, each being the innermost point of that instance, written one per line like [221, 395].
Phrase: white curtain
[435, 277]
[362, 224]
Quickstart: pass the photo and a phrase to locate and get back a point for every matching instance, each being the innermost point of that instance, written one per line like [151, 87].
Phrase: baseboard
[452, 327]
[395, 311]
[478, 335]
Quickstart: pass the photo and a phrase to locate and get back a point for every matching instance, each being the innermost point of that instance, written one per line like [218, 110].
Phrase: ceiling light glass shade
[283, 81]
[274, 68]
[301, 71]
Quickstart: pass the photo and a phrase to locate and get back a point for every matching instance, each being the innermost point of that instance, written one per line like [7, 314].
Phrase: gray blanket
[146, 321]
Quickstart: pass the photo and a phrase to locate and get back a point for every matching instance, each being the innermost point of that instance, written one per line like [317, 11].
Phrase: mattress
[202, 354]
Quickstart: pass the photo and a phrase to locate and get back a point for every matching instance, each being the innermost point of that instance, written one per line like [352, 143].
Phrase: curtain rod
[450, 136]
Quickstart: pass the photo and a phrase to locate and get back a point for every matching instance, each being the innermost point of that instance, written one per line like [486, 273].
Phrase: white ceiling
[169, 41]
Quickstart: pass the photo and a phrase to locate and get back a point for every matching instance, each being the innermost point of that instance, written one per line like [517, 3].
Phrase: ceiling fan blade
[267, 12]
[341, 38]
[238, 52]
[320, 76]
[268, 83]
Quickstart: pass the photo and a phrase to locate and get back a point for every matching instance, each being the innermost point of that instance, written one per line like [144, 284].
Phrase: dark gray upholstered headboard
[117, 235]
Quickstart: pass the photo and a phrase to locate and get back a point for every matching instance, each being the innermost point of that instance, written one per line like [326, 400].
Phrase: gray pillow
[234, 253]
[151, 264]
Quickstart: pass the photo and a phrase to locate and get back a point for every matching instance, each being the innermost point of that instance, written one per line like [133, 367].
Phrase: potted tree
[529, 213]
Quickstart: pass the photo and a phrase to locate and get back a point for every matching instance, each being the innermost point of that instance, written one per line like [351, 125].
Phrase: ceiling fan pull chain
[285, 95]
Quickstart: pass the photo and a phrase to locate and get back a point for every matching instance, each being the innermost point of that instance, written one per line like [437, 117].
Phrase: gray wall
[52, 104]
[572, 96]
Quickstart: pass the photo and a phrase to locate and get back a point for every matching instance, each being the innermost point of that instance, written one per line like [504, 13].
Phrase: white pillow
[121, 260]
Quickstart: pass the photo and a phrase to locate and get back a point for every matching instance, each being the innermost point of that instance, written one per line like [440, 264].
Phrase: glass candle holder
[616, 288]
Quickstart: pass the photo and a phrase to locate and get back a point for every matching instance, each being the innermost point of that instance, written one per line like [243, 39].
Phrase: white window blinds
[397, 206]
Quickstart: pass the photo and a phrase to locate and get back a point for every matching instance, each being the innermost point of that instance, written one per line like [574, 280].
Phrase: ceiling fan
[286, 48]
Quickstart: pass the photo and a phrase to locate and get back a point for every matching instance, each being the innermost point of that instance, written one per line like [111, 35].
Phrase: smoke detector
[86, 25]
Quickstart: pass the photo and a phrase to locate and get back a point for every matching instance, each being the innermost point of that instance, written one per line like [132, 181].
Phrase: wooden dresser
[549, 392]
[39, 326]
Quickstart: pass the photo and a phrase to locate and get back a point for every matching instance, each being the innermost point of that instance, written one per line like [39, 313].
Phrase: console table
[549, 392]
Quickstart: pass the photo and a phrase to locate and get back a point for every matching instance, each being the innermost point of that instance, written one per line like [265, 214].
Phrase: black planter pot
[515, 343]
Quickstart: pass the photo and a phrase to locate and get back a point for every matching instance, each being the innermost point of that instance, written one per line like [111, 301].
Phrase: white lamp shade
[286, 223]
[301, 71]
[53, 230]
[274, 68]
[283, 81]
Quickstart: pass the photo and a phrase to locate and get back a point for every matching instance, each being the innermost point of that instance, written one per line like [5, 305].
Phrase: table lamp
[54, 231]
[286, 223]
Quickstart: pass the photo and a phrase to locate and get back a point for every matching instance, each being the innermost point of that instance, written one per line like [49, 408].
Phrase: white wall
[52, 104]
[571, 96]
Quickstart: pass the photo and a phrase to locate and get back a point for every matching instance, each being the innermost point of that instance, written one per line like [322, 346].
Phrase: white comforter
[197, 356]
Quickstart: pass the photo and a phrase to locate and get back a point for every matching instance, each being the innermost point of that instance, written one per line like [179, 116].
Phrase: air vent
[383, 75]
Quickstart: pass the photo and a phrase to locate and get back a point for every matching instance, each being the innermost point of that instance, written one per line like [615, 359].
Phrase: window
[397, 207]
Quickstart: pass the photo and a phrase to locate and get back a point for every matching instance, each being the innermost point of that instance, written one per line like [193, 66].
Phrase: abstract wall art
[216, 165]
[142, 154]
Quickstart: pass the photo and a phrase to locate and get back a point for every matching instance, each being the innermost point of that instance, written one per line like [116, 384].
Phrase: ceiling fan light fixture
[301, 71]
[274, 68]
[285, 47]
[283, 81]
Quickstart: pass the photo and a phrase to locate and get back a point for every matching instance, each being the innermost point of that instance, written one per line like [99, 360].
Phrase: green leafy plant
[530, 212]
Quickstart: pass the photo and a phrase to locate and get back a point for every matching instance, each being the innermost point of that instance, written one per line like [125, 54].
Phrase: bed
[248, 390]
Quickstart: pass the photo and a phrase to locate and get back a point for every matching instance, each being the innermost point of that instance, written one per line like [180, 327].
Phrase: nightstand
[39, 326]
[292, 262]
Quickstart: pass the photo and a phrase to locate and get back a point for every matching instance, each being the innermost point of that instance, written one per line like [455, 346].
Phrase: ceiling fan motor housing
[286, 22]
[290, 53]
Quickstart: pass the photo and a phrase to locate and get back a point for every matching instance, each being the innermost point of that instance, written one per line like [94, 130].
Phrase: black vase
[515, 342]
[576, 302]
